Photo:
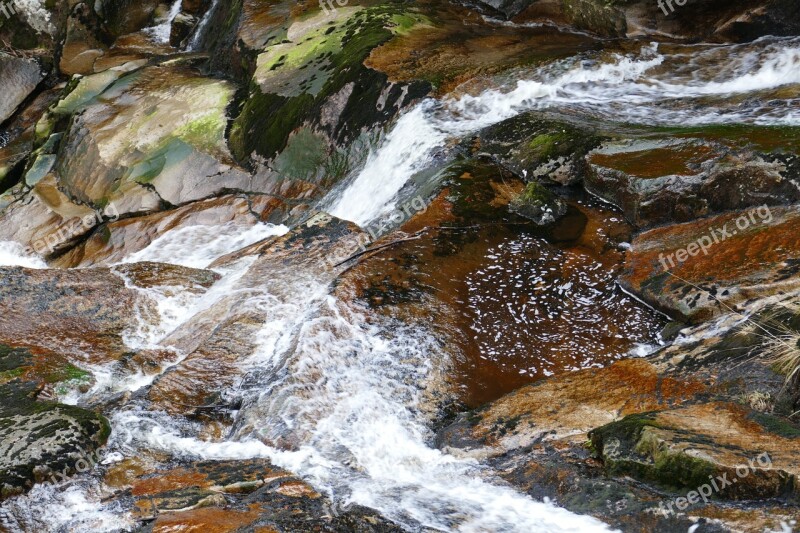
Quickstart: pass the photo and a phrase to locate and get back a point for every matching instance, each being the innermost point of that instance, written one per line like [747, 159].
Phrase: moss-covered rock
[717, 445]
[539, 204]
[310, 86]
[536, 148]
[41, 441]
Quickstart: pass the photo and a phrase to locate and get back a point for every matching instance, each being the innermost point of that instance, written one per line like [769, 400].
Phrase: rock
[456, 50]
[43, 219]
[182, 28]
[20, 135]
[535, 148]
[84, 314]
[700, 269]
[86, 40]
[539, 204]
[19, 78]
[41, 441]
[249, 495]
[127, 16]
[118, 239]
[536, 438]
[748, 455]
[603, 18]
[739, 21]
[680, 180]
[157, 136]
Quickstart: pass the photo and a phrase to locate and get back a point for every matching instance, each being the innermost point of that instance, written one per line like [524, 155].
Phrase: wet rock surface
[42, 441]
[678, 180]
[699, 269]
[544, 356]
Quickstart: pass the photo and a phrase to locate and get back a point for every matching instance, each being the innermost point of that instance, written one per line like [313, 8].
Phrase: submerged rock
[218, 341]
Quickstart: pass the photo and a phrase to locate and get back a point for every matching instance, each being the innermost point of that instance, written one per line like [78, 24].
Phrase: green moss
[776, 425]
[535, 193]
[294, 80]
[8, 375]
[69, 372]
[546, 146]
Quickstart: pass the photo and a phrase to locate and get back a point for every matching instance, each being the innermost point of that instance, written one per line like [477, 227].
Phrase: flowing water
[162, 31]
[678, 87]
[200, 31]
[335, 394]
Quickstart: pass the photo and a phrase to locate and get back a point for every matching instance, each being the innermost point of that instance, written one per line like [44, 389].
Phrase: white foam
[646, 88]
[199, 246]
[14, 254]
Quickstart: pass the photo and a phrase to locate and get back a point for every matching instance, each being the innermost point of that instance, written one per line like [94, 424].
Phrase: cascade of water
[200, 30]
[162, 31]
[626, 88]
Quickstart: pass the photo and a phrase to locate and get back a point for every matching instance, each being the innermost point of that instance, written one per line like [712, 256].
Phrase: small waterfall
[645, 88]
[200, 30]
[162, 32]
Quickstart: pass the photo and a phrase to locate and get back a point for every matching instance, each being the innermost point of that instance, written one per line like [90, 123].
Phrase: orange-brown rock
[696, 270]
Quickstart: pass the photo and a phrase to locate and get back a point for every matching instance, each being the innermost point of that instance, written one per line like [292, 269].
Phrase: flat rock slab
[700, 269]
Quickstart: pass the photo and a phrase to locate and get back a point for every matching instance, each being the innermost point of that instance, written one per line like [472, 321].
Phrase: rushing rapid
[650, 87]
[345, 389]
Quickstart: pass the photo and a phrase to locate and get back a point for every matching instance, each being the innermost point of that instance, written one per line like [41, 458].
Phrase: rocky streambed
[400, 266]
